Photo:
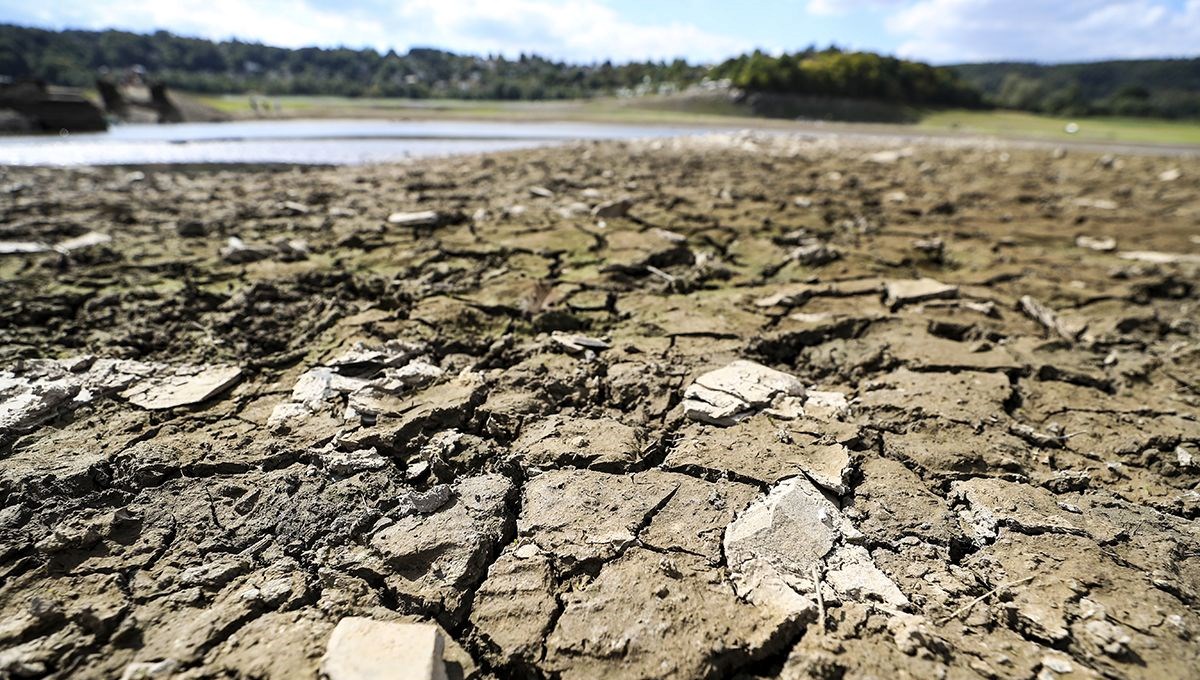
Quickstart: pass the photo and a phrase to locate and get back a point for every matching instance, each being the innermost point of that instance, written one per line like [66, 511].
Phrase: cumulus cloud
[583, 30]
[1065, 30]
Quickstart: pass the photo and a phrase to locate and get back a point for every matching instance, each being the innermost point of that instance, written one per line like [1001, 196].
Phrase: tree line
[1163, 88]
[75, 58]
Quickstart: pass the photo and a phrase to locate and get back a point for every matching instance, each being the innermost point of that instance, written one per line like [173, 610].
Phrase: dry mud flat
[732, 407]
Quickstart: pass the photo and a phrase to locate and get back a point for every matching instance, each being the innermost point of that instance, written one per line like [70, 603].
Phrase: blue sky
[941, 31]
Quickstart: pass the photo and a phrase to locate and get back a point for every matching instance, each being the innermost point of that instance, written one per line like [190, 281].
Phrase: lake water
[334, 142]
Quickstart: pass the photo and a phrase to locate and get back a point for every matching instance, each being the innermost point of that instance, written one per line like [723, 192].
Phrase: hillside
[1168, 88]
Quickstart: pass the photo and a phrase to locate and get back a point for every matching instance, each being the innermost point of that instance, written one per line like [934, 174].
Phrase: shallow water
[333, 142]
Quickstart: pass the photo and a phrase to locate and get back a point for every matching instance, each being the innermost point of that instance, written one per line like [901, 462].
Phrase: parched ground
[977, 458]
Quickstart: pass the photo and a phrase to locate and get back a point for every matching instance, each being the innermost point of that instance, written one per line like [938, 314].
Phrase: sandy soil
[959, 442]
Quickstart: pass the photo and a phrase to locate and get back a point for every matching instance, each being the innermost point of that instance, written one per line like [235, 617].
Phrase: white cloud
[828, 8]
[572, 29]
[1064, 30]
[581, 30]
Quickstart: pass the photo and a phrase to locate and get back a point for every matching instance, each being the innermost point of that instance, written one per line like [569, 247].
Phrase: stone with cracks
[727, 395]
[782, 543]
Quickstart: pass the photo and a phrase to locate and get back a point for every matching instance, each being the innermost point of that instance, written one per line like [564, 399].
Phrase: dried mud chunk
[695, 516]
[893, 502]
[946, 449]
[733, 393]
[275, 645]
[515, 607]
[900, 293]
[1105, 614]
[599, 443]
[966, 397]
[796, 332]
[994, 503]
[185, 386]
[632, 251]
[649, 615]
[705, 313]
[436, 559]
[640, 387]
[400, 418]
[762, 450]
[779, 545]
[582, 516]
[919, 350]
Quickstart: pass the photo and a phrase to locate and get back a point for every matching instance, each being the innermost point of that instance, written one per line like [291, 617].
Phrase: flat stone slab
[365, 649]
[727, 395]
[188, 385]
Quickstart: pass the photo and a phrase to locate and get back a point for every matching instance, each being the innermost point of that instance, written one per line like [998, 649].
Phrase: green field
[1028, 125]
[716, 111]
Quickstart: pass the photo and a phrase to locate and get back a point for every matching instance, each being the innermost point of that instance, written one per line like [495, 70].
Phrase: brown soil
[1009, 491]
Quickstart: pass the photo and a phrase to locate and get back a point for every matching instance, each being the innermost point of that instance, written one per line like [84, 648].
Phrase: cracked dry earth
[732, 407]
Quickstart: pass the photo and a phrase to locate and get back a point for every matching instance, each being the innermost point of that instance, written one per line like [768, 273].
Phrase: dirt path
[743, 406]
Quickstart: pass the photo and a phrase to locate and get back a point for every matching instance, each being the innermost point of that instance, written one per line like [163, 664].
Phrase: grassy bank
[1099, 129]
[712, 110]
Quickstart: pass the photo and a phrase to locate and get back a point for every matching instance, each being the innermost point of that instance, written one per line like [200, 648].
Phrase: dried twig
[967, 607]
[816, 576]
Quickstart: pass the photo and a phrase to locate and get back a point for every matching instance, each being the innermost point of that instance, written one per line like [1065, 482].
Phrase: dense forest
[1164, 88]
[852, 75]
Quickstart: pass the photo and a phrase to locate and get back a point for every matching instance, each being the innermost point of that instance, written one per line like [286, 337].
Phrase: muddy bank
[731, 407]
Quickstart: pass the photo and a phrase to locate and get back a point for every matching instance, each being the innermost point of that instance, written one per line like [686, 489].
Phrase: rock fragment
[185, 386]
[814, 253]
[727, 395]
[780, 545]
[366, 649]
[423, 218]
[1154, 257]
[1051, 320]
[237, 251]
[22, 247]
[612, 209]
[1103, 245]
[84, 241]
[900, 293]
[581, 344]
